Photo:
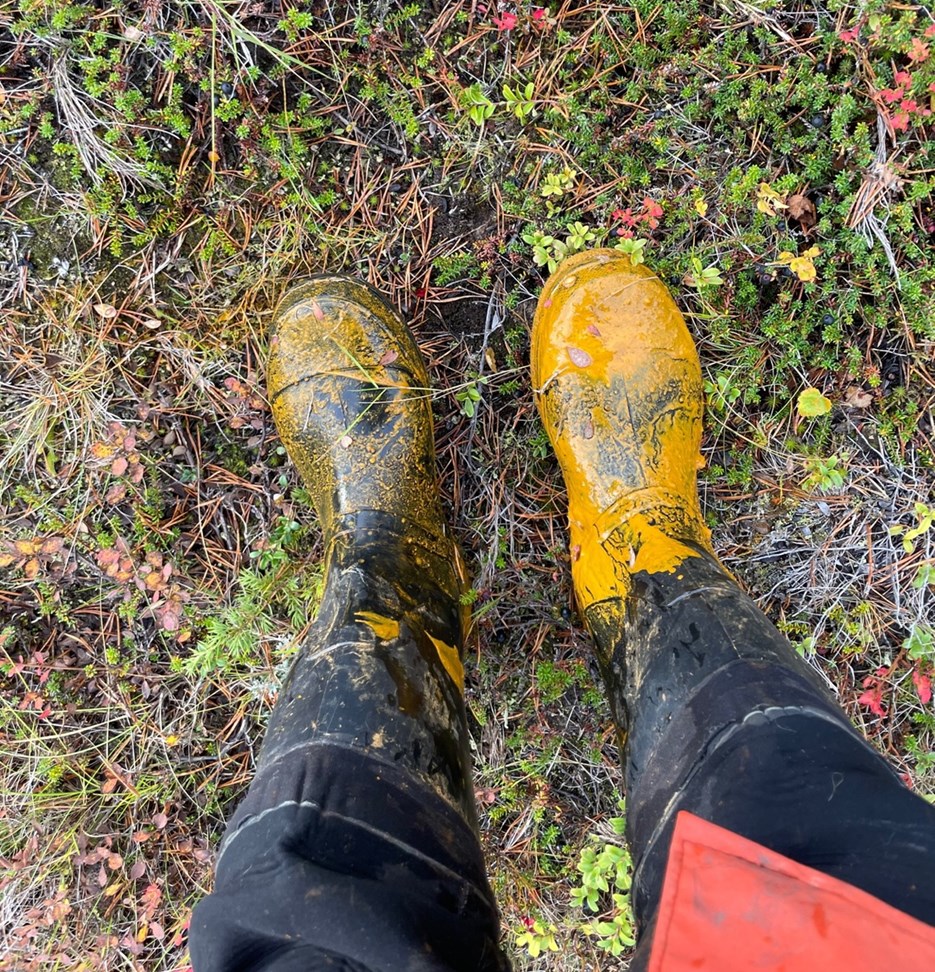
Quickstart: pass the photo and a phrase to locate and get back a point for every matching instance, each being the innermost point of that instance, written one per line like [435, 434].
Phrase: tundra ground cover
[168, 167]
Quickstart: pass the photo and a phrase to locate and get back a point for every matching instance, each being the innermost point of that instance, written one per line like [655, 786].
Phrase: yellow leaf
[768, 200]
[701, 207]
[812, 403]
[101, 450]
[803, 268]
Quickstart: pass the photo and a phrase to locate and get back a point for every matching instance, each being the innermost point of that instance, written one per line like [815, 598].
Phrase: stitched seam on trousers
[252, 820]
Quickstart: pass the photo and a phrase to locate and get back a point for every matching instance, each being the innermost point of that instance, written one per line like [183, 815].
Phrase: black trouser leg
[356, 845]
[720, 717]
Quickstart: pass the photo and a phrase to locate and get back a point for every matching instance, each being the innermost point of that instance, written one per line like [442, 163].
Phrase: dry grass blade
[80, 122]
[880, 183]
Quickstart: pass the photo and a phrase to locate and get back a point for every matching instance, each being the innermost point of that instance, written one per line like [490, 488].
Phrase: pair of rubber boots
[617, 381]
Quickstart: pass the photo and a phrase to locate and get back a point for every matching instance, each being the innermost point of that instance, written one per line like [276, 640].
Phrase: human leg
[717, 714]
[356, 846]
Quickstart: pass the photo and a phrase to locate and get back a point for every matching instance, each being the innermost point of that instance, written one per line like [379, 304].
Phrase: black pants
[352, 852]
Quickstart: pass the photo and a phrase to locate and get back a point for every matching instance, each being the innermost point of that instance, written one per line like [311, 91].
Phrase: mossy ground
[169, 167]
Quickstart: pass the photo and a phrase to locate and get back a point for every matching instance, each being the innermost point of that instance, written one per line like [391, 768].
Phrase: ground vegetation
[168, 167]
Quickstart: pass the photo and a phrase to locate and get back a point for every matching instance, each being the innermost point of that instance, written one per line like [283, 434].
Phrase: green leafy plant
[920, 645]
[537, 937]
[702, 277]
[811, 403]
[469, 596]
[274, 586]
[633, 248]
[606, 871]
[722, 392]
[295, 22]
[825, 475]
[925, 576]
[925, 516]
[455, 266]
[547, 251]
[478, 106]
[469, 396]
[578, 238]
[556, 184]
[520, 101]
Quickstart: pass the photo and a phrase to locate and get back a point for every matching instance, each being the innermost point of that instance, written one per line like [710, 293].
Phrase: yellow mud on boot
[382, 670]
[618, 385]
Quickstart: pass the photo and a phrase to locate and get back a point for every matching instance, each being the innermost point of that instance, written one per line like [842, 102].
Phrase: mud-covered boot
[381, 671]
[618, 385]
[356, 844]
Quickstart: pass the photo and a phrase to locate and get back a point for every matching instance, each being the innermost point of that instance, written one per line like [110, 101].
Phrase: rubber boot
[381, 671]
[355, 846]
[685, 654]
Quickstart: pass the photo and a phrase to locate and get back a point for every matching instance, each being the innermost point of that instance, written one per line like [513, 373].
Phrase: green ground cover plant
[168, 167]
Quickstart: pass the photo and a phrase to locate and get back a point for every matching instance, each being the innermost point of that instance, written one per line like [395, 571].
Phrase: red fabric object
[730, 905]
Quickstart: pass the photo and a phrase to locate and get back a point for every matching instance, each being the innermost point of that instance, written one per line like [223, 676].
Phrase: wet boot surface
[381, 669]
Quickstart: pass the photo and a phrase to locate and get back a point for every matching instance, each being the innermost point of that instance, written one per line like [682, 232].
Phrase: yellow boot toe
[617, 381]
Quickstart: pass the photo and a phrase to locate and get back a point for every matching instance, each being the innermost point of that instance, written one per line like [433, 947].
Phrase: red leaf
[873, 699]
[923, 686]
[919, 51]
[900, 122]
[652, 212]
[506, 21]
